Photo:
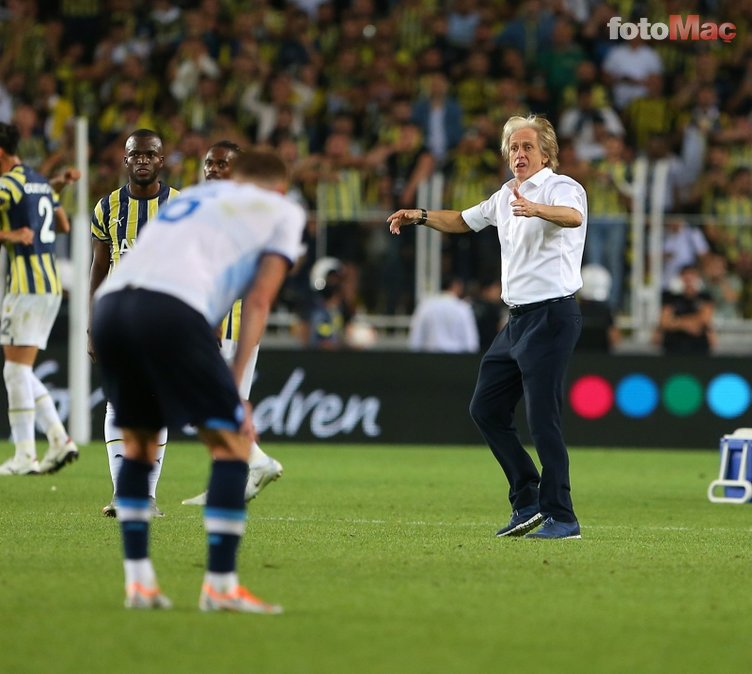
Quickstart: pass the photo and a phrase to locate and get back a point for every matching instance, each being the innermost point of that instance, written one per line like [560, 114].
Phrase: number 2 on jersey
[46, 212]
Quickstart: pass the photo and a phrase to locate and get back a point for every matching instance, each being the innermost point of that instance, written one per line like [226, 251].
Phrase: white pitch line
[424, 523]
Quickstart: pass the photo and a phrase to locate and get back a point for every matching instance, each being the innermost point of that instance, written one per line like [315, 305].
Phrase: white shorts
[27, 320]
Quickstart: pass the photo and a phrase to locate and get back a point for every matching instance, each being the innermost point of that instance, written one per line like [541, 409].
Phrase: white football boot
[260, 474]
[58, 456]
[20, 465]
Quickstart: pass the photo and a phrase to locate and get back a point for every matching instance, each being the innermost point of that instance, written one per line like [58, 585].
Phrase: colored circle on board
[682, 395]
[728, 395]
[636, 395]
[591, 397]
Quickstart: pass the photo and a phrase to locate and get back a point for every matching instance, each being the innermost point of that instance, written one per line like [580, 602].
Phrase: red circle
[591, 397]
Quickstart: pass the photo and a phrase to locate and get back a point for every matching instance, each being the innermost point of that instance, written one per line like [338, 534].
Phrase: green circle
[682, 394]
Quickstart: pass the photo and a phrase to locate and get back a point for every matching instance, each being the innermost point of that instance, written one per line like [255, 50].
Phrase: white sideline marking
[424, 523]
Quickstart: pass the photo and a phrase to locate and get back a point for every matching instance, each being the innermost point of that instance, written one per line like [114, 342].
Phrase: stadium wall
[388, 397]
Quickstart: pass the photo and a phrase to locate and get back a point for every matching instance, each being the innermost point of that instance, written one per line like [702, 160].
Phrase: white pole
[637, 293]
[79, 367]
[658, 195]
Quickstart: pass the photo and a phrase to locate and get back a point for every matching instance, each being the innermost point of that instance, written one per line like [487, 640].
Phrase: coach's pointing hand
[405, 216]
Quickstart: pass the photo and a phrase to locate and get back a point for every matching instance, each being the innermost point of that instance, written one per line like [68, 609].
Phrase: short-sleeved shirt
[204, 246]
[680, 249]
[539, 260]
[444, 323]
[27, 200]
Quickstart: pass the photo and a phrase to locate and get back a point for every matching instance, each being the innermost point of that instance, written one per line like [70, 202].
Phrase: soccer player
[116, 223]
[263, 469]
[30, 214]
[154, 330]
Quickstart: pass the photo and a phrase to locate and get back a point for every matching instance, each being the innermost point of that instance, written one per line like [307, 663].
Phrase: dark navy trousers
[529, 358]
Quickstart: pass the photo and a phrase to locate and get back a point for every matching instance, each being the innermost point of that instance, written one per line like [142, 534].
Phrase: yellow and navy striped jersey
[119, 217]
[27, 200]
[231, 322]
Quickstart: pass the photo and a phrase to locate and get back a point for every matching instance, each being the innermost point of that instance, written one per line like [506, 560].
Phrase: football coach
[541, 218]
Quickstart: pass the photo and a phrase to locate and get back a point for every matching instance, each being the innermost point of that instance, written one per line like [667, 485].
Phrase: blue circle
[637, 396]
[728, 395]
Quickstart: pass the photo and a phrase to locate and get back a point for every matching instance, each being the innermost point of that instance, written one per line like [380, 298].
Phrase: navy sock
[224, 514]
[133, 507]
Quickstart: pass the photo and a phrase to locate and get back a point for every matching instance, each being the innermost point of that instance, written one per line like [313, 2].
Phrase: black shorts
[161, 365]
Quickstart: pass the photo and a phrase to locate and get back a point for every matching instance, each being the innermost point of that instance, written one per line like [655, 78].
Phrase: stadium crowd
[367, 98]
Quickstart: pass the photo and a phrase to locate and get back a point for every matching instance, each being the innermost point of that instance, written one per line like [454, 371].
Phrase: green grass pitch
[385, 561]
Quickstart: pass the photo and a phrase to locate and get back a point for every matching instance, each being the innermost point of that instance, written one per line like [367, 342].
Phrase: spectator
[686, 322]
[508, 100]
[724, 287]
[462, 21]
[11, 94]
[699, 126]
[337, 187]
[599, 332]
[609, 188]
[327, 319]
[475, 86]
[587, 75]
[529, 31]
[439, 116]
[627, 67]
[200, 109]
[683, 245]
[32, 145]
[588, 125]
[471, 174]
[408, 163]
[650, 114]
[559, 59]
[489, 311]
[55, 111]
[191, 61]
[445, 323]
[728, 227]
[678, 182]
[711, 184]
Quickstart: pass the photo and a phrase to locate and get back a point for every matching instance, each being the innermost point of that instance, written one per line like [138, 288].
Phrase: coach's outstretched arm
[449, 222]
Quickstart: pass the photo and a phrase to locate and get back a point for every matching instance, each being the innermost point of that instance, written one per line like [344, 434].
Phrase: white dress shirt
[539, 260]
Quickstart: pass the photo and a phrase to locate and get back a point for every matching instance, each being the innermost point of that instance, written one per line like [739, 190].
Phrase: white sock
[139, 571]
[257, 454]
[20, 408]
[250, 369]
[222, 582]
[47, 417]
[156, 472]
[113, 439]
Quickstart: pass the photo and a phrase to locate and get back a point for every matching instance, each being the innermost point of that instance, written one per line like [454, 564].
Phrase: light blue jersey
[221, 228]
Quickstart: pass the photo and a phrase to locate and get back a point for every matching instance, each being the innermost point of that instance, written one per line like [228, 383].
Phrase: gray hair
[546, 137]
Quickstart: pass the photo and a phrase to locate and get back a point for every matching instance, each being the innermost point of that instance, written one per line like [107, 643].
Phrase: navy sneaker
[553, 529]
[522, 521]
